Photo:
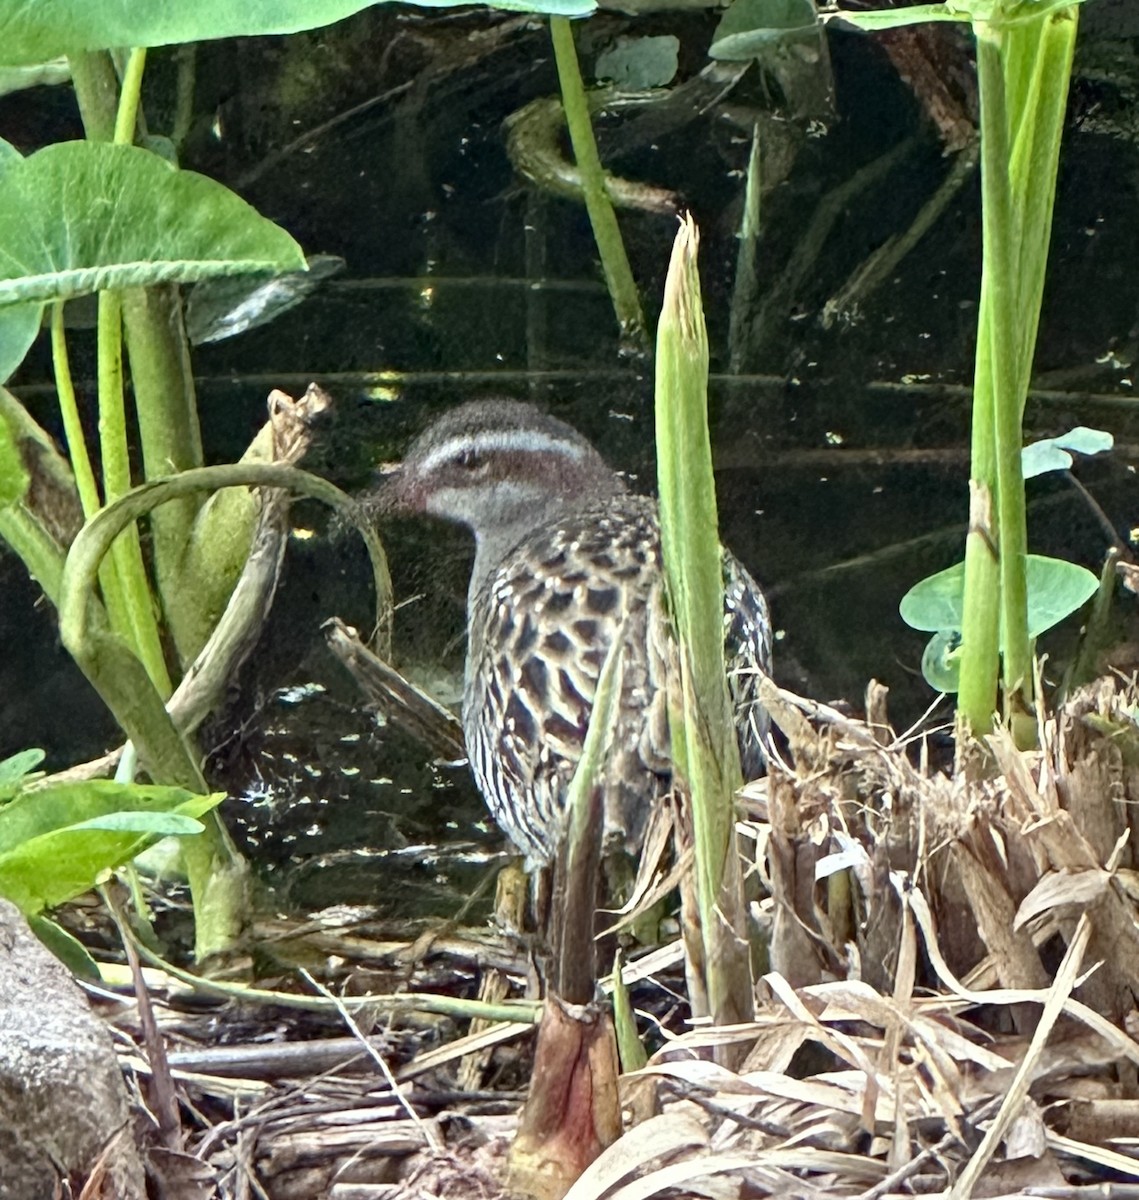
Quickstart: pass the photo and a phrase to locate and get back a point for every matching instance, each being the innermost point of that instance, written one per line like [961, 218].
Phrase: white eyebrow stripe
[531, 441]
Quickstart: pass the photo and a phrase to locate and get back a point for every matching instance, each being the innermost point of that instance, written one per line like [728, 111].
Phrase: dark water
[841, 449]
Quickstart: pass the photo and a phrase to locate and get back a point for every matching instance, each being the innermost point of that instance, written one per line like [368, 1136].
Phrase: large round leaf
[1055, 590]
[33, 31]
[81, 216]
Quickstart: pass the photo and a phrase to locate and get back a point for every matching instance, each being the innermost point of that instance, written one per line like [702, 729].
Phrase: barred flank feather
[565, 557]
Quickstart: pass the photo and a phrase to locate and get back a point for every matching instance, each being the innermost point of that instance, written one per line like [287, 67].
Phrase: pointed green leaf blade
[57, 841]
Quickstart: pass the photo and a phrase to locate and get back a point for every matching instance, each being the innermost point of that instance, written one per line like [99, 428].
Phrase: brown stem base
[573, 1111]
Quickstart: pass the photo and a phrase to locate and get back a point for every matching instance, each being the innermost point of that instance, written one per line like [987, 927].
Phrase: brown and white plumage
[566, 557]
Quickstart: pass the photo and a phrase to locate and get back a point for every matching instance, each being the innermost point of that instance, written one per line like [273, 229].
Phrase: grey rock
[62, 1098]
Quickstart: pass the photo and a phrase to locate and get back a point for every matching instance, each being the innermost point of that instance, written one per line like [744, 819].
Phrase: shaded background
[840, 444]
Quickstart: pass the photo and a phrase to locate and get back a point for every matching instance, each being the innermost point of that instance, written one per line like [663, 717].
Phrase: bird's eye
[471, 460]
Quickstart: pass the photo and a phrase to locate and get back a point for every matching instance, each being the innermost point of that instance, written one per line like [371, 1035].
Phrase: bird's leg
[573, 1110]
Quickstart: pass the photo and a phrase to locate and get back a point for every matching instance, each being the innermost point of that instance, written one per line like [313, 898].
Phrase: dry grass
[948, 1007]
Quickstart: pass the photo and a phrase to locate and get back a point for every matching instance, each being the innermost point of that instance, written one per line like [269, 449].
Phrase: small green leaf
[56, 841]
[66, 947]
[640, 62]
[77, 217]
[13, 769]
[1052, 454]
[941, 661]
[18, 770]
[749, 27]
[1055, 590]
[936, 602]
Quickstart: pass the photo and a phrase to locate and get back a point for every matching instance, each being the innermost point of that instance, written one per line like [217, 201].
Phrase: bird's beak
[392, 493]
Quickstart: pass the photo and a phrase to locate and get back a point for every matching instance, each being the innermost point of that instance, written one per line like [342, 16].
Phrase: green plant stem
[36, 548]
[1023, 72]
[746, 286]
[166, 408]
[126, 118]
[96, 89]
[109, 576]
[704, 748]
[107, 116]
[1003, 319]
[170, 438]
[69, 411]
[527, 1012]
[132, 610]
[603, 218]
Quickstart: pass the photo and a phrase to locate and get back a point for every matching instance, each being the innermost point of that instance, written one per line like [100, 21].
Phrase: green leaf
[1052, 454]
[19, 325]
[941, 661]
[81, 216]
[894, 18]
[57, 841]
[1055, 590]
[998, 13]
[66, 947]
[32, 31]
[14, 771]
[9, 156]
[157, 824]
[936, 603]
[749, 27]
[223, 308]
[19, 79]
[640, 62]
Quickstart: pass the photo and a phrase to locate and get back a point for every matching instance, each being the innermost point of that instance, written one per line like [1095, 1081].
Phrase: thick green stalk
[702, 732]
[606, 231]
[161, 374]
[136, 618]
[97, 90]
[980, 627]
[166, 405]
[1002, 235]
[1023, 73]
[166, 408]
